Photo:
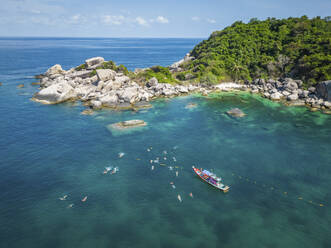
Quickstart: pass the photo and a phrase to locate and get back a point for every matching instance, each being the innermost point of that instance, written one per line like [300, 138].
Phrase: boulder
[55, 93]
[79, 74]
[275, 96]
[152, 82]
[92, 63]
[236, 112]
[286, 93]
[105, 74]
[55, 69]
[290, 85]
[292, 97]
[327, 104]
[182, 89]
[130, 94]
[110, 100]
[311, 89]
[122, 79]
[323, 90]
[95, 104]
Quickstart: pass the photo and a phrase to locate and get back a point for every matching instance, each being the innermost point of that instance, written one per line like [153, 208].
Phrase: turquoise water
[276, 160]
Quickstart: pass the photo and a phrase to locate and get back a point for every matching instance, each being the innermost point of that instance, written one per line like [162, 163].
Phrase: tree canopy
[295, 47]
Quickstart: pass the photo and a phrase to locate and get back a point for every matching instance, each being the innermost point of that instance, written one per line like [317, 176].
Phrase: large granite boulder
[276, 96]
[55, 93]
[55, 69]
[130, 94]
[323, 90]
[293, 97]
[152, 82]
[105, 74]
[110, 100]
[93, 63]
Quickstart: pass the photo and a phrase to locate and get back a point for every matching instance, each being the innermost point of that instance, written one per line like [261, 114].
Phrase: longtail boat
[211, 178]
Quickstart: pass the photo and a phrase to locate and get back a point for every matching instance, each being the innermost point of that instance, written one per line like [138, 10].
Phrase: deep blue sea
[276, 159]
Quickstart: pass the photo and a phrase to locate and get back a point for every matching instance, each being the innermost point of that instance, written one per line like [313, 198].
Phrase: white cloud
[141, 21]
[195, 18]
[162, 19]
[211, 20]
[113, 19]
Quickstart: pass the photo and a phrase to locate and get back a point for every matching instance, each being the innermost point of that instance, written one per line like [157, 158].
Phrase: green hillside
[295, 47]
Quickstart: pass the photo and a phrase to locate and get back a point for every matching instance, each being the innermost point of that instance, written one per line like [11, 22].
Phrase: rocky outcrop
[323, 90]
[107, 88]
[104, 88]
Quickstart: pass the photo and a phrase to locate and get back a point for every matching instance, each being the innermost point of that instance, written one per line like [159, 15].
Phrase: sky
[142, 18]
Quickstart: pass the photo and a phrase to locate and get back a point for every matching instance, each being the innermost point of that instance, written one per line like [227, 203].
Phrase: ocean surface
[276, 159]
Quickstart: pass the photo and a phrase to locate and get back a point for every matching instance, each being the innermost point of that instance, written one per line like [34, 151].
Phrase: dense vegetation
[162, 74]
[296, 47]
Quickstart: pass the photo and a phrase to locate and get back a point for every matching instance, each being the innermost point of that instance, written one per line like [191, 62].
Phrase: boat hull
[204, 177]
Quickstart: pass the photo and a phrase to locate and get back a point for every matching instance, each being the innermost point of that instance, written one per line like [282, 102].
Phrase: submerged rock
[87, 112]
[236, 112]
[128, 124]
[191, 105]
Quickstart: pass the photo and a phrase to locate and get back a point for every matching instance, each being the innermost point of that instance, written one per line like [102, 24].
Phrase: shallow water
[276, 160]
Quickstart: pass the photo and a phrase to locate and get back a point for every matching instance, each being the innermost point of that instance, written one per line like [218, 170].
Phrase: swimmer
[63, 198]
[171, 183]
[171, 168]
[148, 150]
[151, 161]
[175, 160]
[175, 147]
[107, 169]
[84, 199]
[176, 173]
[152, 167]
[165, 158]
[179, 198]
[173, 186]
[70, 205]
[191, 195]
[165, 152]
[121, 154]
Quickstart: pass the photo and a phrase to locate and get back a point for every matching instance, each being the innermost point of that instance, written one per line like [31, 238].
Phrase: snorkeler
[84, 199]
[63, 198]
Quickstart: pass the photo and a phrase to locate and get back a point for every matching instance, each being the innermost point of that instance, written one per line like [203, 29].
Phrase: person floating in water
[70, 205]
[179, 198]
[152, 167]
[176, 173]
[84, 199]
[63, 198]
[191, 195]
[121, 154]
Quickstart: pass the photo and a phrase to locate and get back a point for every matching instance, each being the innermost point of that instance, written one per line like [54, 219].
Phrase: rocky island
[216, 64]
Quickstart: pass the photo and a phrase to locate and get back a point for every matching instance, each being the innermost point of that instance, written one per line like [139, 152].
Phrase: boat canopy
[208, 173]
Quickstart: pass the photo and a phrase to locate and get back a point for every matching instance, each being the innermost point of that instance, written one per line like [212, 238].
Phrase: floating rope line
[273, 188]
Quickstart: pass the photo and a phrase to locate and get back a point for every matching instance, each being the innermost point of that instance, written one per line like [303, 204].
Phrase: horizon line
[100, 37]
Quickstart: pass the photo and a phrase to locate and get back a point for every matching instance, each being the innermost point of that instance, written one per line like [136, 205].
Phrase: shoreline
[106, 88]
